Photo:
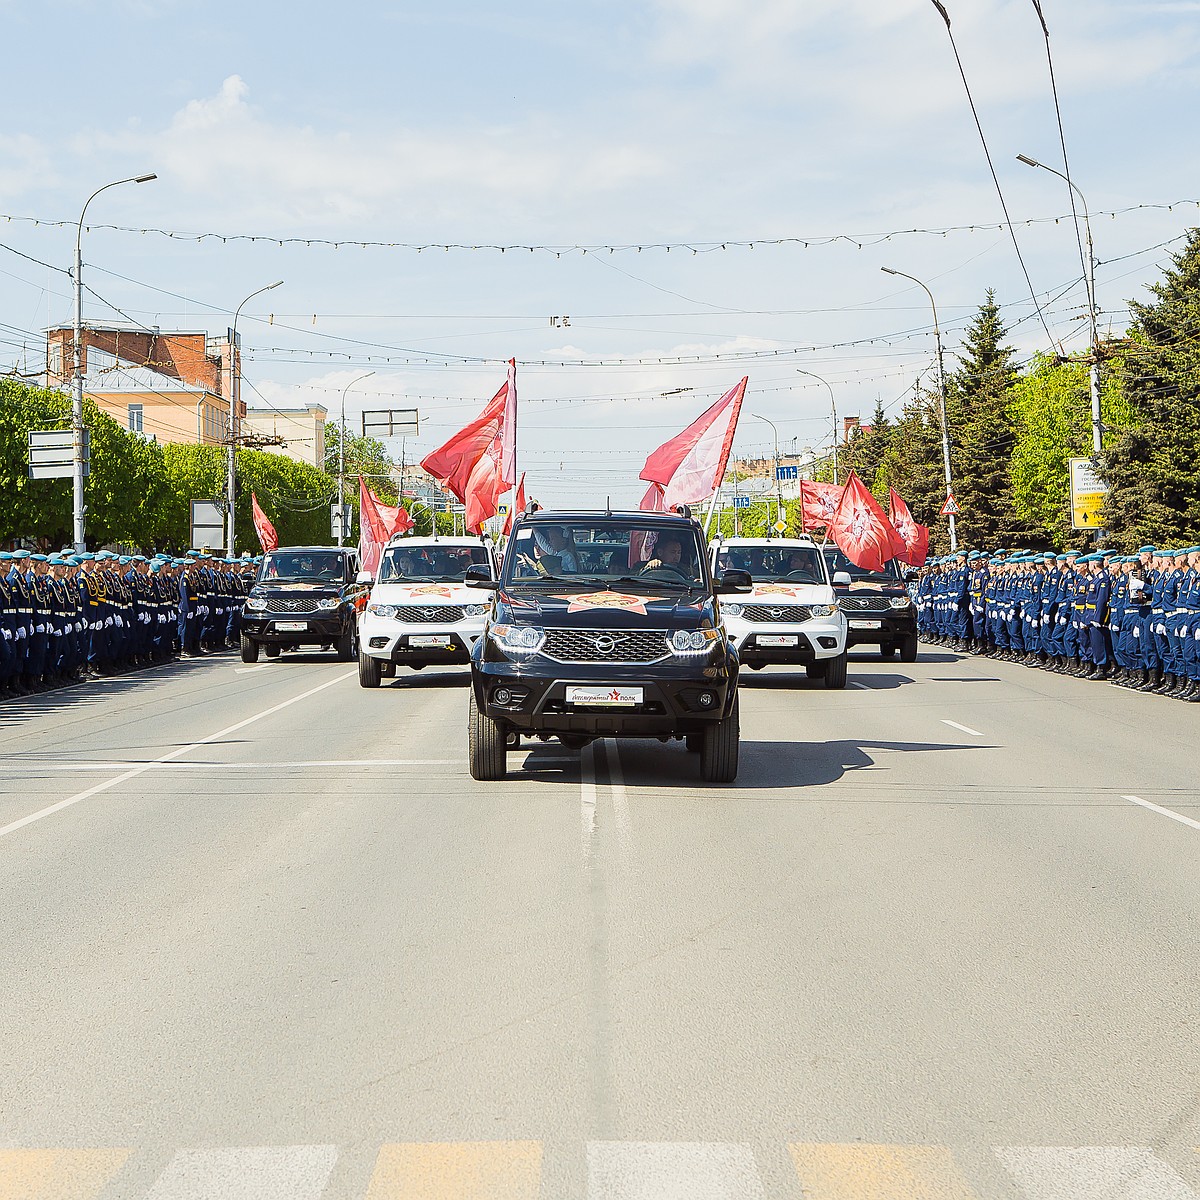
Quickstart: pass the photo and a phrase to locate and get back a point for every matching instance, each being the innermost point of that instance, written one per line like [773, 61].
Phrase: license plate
[860, 624]
[605, 697]
[776, 639]
[291, 626]
[429, 641]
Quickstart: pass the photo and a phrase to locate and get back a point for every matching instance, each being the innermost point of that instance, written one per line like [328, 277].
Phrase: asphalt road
[263, 937]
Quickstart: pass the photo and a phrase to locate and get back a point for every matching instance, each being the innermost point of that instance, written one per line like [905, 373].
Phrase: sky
[688, 191]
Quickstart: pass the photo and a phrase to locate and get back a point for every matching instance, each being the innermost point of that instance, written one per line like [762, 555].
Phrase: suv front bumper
[273, 630]
[810, 641]
[418, 645]
[881, 628]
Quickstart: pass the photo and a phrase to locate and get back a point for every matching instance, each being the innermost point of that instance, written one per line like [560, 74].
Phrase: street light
[342, 460]
[778, 486]
[77, 381]
[235, 396]
[1094, 368]
[941, 396]
[833, 408]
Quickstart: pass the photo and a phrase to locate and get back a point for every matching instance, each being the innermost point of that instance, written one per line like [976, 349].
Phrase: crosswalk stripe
[457, 1171]
[246, 1173]
[57, 1174]
[859, 1171]
[1092, 1173]
[672, 1171]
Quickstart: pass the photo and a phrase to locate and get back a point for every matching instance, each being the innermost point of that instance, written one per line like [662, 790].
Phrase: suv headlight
[256, 603]
[519, 641]
[382, 610]
[824, 610]
[329, 602]
[693, 641]
[475, 610]
[900, 602]
[733, 609]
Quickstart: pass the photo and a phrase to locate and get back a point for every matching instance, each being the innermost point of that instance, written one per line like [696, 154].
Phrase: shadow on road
[793, 682]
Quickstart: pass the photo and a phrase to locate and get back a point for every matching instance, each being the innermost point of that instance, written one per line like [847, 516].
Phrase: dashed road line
[962, 728]
[1163, 812]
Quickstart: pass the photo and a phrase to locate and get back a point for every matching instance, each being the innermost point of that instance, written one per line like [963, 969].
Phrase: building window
[136, 415]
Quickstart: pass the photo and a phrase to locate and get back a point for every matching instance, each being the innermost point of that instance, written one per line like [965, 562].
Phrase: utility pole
[778, 484]
[342, 460]
[833, 409]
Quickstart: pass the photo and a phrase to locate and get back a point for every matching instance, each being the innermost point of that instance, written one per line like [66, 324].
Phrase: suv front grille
[304, 604]
[606, 645]
[865, 603]
[429, 614]
[792, 613]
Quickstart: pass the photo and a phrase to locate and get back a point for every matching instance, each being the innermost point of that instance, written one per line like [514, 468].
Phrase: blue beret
[155, 567]
[139, 558]
[5, 556]
[1147, 549]
[20, 554]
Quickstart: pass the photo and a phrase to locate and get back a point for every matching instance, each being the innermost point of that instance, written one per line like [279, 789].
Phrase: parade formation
[67, 618]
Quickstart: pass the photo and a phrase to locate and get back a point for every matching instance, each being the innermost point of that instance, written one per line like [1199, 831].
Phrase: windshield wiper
[649, 581]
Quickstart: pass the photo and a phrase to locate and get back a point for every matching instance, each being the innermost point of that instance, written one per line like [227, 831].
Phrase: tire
[815, 670]
[719, 749]
[347, 646]
[368, 671]
[249, 650]
[271, 651]
[835, 671]
[887, 651]
[908, 649]
[486, 752]
[694, 742]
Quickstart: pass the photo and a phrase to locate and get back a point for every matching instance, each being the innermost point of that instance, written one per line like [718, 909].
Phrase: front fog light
[502, 695]
[706, 699]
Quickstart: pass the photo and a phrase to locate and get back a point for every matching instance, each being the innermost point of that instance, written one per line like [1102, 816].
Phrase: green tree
[913, 465]
[365, 456]
[1152, 461]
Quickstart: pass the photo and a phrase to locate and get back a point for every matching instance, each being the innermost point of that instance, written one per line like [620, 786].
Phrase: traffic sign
[207, 523]
[339, 520]
[52, 453]
[1088, 493]
[741, 502]
[950, 508]
[502, 510]
[780, 527]
[787, 472]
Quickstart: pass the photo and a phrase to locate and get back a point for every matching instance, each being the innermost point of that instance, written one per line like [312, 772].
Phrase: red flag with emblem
[819, 502]
[915, 537]
[469, 464]
[861, 529]
[689, 468]
[268, 539]
[378, 523]
[518, 506]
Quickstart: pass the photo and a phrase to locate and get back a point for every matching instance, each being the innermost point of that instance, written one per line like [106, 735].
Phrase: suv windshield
[890, 576]
[430, 564]
[773, 564]
[605, 550]
[302, 564]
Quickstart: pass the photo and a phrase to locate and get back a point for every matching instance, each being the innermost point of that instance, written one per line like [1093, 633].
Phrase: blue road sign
[787, 472]
[741, 502]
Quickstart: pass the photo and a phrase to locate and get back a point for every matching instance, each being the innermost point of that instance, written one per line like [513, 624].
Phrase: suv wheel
[368, 670]
[347, 646]
[249, 650]
[908, 648]
[719, 750]
[835, 671]
[486, 751]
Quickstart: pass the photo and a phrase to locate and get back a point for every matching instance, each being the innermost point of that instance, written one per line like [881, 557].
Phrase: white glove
[39, 629]
[108, 622]
[119, 621]
[7, 634]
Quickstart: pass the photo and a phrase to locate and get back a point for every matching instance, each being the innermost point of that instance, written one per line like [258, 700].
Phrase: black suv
[605, 625]
[879, 610]
[304, 596]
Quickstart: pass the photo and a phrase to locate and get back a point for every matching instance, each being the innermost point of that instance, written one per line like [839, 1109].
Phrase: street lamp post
[1090, 281]
[342, 460]
[778, 486]
[941, 396]
[235, 397]
[77, 380]
[833, 409]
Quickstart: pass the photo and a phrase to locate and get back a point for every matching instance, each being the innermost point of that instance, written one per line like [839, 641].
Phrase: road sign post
[207, 524]
[52, 453]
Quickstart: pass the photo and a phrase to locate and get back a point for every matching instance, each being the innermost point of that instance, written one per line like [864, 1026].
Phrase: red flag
[818, 502]
[469, 464]
[652, 501]
[689, 468]
[378, 523]
[508, 434]
[916, 537]
[861, 530]
[268, 539]
[518, 506]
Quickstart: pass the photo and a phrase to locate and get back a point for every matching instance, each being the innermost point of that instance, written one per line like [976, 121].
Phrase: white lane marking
[1092, 1173]
[247, 670]
[1163, 812]
[672, 1171]
[963, 728]
[862, 687]
[616, 779]
[10, 765]
[249, 1173]
[79, 797]
[587, 799]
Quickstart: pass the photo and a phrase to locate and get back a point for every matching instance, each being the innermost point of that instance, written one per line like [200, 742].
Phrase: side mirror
[478, 576]
[734, 582]
[911, 574]
[364, 577]
[841, 579]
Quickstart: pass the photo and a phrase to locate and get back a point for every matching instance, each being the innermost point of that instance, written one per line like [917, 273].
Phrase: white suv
[420, 612]
[792, 617]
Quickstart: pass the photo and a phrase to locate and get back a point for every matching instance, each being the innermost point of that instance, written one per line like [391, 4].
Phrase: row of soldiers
[1133, 620]
[69, 617]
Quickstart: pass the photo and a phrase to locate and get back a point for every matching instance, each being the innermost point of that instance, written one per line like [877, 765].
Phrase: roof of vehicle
[314, 549]
[442, 540]
[774, 542]
[545, 516]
